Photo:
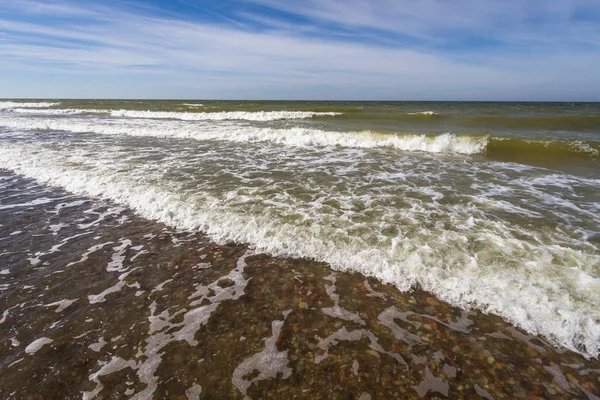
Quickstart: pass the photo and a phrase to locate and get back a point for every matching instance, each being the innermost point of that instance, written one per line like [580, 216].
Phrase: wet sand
[96, 302]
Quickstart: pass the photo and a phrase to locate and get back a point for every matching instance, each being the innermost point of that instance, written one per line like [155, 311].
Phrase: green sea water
[492, 206]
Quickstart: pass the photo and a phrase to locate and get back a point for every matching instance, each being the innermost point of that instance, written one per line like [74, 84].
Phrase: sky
[546, 50]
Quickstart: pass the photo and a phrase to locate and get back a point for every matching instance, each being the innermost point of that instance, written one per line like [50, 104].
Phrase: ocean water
[487, 206]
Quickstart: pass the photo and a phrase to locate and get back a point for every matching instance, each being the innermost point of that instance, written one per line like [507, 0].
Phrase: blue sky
[311, 49]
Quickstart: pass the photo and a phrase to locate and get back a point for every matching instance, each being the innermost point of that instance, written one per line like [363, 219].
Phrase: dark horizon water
[488, 207]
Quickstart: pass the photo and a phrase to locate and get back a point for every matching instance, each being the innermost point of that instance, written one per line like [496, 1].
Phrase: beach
[202, 249]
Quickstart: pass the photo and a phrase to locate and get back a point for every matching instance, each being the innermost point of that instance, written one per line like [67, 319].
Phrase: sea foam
[6, 105]
[57, 111]
[515, 278]
[426, 113]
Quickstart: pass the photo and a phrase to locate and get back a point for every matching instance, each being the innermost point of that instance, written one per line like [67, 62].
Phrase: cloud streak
[327, 50]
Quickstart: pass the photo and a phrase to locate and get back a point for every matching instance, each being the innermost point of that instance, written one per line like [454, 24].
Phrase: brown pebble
[431, 301]
[531, 352]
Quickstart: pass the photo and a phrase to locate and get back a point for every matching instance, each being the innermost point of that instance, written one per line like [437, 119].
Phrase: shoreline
[98, 301]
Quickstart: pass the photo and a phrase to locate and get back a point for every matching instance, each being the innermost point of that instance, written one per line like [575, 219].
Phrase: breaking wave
[509, 149]
[426, 113]
[222, 116]
[7, 105]
[444, 143]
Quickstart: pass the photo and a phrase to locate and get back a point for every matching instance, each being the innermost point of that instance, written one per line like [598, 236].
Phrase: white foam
[223, 115]
[114, 365]
[194, 392]
[86, 255]
[388, 319]
[582, 147]
[5, 271]
[99, 345]
[118, 257]
[192, 321]
[54, 228]
[161, 286]
[336, 311]
[61, 304]
[423, 113]
[58, 111]
[35, 202]
[5, 314]
[5, 105]
[99, 298]
[37, 344]
[269, 362]
[39, 254]
[343, 334]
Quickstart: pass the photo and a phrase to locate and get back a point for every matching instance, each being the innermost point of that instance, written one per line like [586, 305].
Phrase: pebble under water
[97, 302]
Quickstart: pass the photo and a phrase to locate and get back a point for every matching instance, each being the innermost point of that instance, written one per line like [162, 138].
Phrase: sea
[299, 249]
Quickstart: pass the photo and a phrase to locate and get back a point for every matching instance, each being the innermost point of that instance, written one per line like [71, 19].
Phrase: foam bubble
[37, 344]
[194, 392]
[61, 304]
[269, 363]
[336, 311]
[99, 298]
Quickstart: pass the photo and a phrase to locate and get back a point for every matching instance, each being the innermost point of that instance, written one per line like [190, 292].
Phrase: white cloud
[119, 54]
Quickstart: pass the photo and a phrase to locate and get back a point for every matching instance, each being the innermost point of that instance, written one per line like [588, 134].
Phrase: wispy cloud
[429, 49]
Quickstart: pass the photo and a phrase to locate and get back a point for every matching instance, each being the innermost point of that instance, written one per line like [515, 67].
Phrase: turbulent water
[492, 206]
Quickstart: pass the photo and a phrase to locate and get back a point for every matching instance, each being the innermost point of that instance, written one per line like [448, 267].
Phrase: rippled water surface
[488, 207]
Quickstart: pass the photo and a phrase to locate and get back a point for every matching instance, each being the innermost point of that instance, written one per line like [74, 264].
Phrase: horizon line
[294, 100]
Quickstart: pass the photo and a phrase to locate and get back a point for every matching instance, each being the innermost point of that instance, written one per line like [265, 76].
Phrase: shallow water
[98, 302]
[503, 219]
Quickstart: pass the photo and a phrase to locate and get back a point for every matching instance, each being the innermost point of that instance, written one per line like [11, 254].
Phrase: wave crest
[426, 113]
[7, 105]
[222, 116]
[444, 143]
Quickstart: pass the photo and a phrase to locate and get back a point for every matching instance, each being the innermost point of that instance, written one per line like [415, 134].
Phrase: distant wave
[7, 105]
[184, 116]
[423, 113]
[516, 149]
[58, 111]
[222, 116]
[573, 123]
[193, 104]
